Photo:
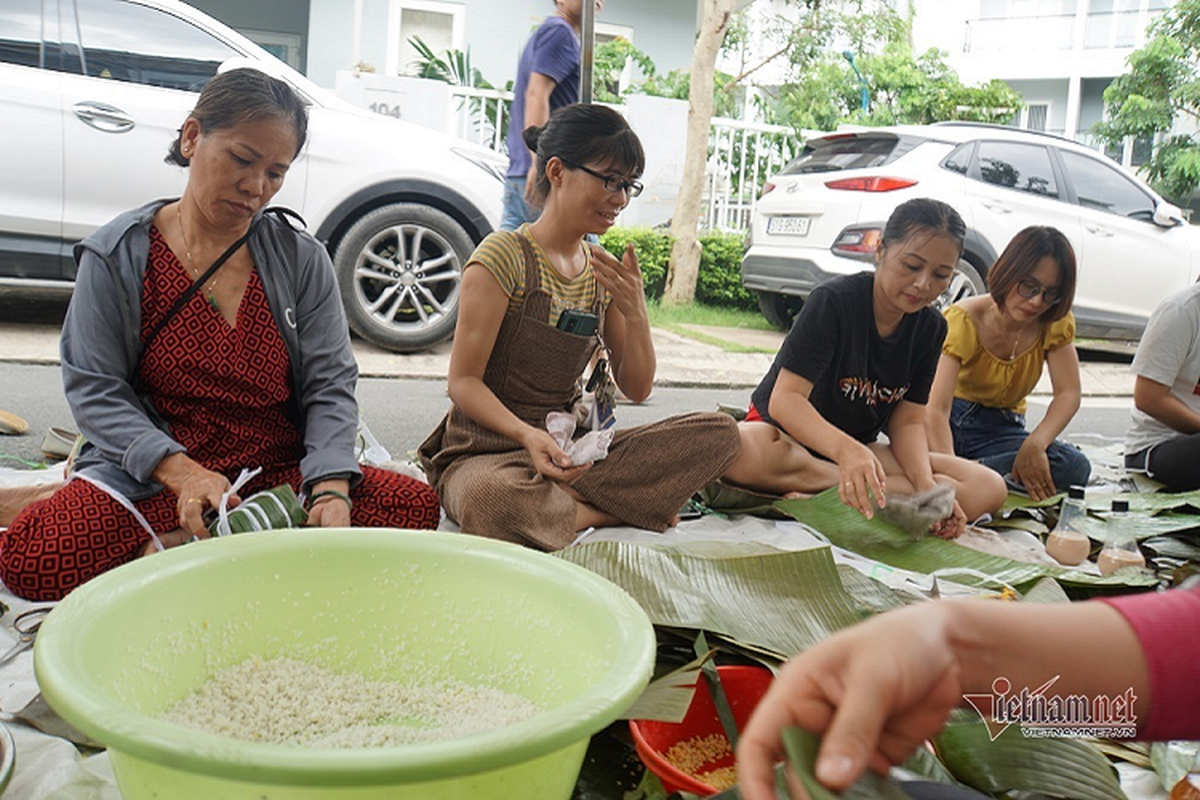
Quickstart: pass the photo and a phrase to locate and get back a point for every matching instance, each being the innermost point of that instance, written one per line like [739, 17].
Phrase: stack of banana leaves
[752, 603]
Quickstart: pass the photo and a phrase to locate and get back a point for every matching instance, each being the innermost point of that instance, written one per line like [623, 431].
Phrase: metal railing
[741, 155]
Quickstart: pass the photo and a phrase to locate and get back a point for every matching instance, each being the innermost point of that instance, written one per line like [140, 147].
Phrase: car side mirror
[1167, 215]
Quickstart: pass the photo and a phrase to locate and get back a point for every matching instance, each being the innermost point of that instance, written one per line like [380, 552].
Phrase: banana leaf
[1069, 768]
[1174, 547]
[667, 699]
[1142, 524]
[1016, 501]
[1173, 760]
[878, 540]
[784, 601]
[802, 746]
[1147, 503]
[1023, 523]
[1047, 590]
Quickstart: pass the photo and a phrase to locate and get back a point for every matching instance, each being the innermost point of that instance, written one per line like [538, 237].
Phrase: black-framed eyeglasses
[1029, 289]
[612, 183]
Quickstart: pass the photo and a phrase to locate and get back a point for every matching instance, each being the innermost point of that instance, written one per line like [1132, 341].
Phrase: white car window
[128, 42]
[1101, 187]
[20, 33]
[1023, 167]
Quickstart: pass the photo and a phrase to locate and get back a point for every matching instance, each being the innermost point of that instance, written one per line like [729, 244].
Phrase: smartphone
[580, 323]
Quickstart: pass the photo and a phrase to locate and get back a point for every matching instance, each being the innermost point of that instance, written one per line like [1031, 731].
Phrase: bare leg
[588, 516]
[13, 499]
[978, 489]
[772, 461]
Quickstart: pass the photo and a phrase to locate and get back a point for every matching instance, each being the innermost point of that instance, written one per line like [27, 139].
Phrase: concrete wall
[660, 123]
[280, 16]
[495, 30]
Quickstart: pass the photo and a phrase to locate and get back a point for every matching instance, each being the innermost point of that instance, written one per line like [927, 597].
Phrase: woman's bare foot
[170, 539]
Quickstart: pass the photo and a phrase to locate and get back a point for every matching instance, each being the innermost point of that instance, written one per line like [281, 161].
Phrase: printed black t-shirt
[858, 377]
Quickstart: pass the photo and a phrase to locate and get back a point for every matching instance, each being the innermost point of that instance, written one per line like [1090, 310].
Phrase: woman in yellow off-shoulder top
[995, 349]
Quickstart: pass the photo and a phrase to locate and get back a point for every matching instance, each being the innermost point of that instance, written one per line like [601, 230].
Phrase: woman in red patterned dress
[254, 369]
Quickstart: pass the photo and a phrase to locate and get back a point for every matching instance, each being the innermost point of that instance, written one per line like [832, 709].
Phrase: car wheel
[400, 269]
[965, 283]
[779, 309]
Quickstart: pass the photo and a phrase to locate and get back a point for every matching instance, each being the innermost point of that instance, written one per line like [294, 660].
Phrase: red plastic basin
[744, 686]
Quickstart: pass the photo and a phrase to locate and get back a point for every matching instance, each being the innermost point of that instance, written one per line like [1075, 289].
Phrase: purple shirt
[553, 51]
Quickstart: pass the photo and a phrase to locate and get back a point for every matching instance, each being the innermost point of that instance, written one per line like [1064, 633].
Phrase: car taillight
[871, 184]
[860, 243]
[768, 187]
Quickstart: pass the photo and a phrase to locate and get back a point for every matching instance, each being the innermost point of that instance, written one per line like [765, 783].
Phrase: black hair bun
[531, 135]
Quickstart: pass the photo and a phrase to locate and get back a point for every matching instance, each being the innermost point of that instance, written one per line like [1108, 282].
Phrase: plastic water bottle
[1068, 543]
[1120, 550]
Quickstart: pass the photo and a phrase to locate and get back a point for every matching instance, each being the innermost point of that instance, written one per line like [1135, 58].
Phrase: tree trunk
[685, 251]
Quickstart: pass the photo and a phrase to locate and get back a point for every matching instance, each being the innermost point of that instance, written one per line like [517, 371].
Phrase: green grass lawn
[676, 318]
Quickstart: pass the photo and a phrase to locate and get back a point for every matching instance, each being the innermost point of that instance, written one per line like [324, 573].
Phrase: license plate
[788, 226]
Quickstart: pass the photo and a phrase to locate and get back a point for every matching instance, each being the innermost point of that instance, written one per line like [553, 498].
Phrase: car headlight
[489, 161]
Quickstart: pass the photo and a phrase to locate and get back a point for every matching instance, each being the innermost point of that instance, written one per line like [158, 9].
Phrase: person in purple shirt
[547, 80]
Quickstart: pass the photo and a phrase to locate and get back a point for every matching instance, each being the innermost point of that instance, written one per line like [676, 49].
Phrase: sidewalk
[682, 361]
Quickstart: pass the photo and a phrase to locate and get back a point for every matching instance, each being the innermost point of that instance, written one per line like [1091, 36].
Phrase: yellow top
[997, 382]
[500, 254]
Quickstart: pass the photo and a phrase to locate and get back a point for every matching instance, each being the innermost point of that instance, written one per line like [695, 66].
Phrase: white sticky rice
[283, 701]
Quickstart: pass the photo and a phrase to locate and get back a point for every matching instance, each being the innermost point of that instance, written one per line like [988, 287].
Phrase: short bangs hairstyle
[585, 134]
[1021, 258]
[244, 95]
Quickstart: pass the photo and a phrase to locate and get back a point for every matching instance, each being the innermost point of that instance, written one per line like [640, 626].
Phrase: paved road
[401, 412]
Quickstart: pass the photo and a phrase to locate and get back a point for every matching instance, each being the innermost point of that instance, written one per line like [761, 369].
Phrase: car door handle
[103, 117]
[1099, 230]
[996, 206]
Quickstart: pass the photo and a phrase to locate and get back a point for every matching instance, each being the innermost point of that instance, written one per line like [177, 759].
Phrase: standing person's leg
[1175, 463]
[516, 210]
[78, 533]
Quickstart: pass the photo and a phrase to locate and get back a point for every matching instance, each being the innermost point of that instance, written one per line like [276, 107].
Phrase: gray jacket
[101, 345]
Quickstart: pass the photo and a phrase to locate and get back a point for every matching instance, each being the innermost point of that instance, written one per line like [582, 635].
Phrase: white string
[223, 528]
[124, 501]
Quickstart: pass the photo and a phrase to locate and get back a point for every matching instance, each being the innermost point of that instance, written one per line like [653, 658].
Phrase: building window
[439, 24]
[1035, 116]
[284, 46]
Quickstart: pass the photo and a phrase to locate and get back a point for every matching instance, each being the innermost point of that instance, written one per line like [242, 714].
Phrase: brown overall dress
[487, 482]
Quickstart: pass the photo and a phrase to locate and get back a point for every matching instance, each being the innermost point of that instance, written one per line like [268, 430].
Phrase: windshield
[835, 153]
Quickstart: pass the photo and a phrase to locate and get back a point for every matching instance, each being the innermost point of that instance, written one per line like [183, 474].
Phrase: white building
[1059, 54]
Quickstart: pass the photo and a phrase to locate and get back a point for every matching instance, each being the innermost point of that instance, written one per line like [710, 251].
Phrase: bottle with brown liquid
[1068, 544]
[1188, 787]
[1120, 550]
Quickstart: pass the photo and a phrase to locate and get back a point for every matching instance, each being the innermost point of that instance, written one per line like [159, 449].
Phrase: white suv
[823, 214]
[92, 93]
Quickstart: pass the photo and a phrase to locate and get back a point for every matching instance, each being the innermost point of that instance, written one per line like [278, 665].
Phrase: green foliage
[1163, 83]
[823, 90]
[609, 62]
[453, 66]
[720, 279]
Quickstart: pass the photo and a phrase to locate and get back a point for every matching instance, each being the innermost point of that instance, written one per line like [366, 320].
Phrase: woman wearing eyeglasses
[536, 305]
[993, 356]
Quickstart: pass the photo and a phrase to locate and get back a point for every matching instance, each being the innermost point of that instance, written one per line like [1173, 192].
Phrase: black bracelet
[330, 493]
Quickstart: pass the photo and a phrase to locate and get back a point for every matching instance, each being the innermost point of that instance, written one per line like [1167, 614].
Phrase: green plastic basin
[399, 605]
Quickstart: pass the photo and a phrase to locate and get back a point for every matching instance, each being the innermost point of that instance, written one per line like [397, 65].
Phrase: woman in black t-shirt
[858, 362]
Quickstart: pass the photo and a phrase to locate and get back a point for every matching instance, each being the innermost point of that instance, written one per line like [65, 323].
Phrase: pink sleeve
[1168, 626]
